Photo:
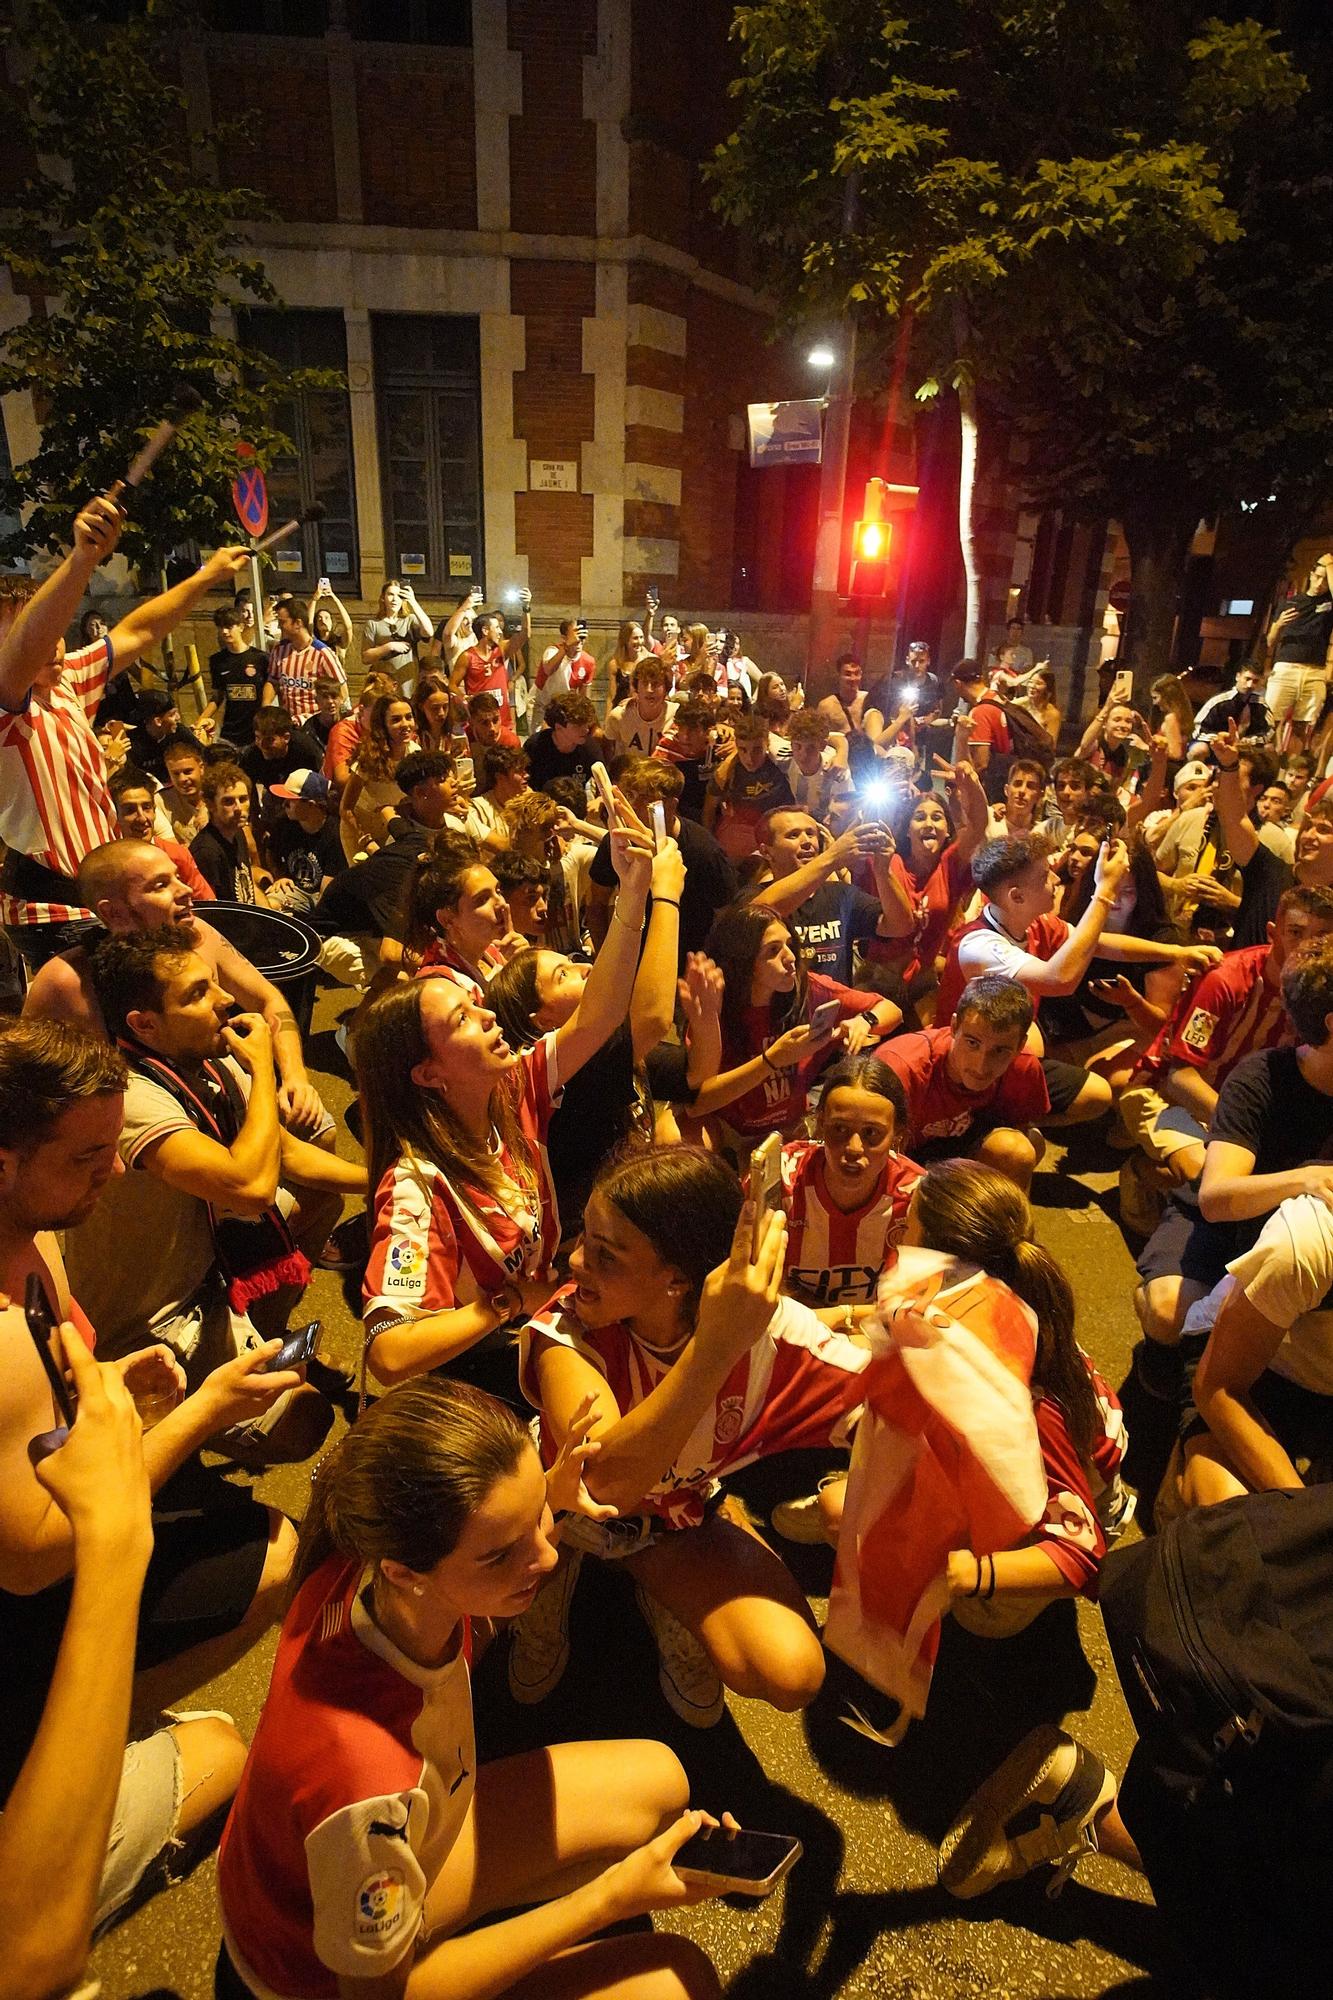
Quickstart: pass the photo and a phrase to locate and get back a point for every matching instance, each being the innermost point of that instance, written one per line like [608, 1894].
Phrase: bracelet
[625, 923]
[763, 1057]
[665, 903]
[977, 1585]
[1107, 902]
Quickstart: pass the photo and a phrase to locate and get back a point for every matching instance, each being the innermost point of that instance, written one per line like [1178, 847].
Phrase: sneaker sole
[694, 1713]
[967, 1865]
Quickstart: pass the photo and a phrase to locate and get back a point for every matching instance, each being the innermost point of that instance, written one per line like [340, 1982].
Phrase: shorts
[210, 1539]
[1161, 1129]
[1185, 1245]
[1294, 692]
[144, 1822]
[1300, 1420]
[1064, 1081]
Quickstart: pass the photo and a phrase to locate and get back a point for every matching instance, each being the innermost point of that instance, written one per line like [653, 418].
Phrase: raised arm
[652, 1003]
[34, 635]
[971, 805]
[415, 612]
[1238, 829]
[1062, 971]
[606, 995]
[148, 624]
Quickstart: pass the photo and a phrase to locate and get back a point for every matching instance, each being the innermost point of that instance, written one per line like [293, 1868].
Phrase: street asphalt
[860, 1917]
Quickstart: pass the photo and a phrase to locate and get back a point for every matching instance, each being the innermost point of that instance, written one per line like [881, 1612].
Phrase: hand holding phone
[298, 1348]
[738, 1863]
[42, 1323]
[659, 826]
[765, 1183]
[825, 1019]
[602, 779]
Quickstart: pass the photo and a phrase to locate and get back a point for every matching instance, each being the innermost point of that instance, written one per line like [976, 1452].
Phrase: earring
[418, 1590]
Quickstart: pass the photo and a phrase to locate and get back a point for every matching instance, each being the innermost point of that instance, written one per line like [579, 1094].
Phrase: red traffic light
[871, 541]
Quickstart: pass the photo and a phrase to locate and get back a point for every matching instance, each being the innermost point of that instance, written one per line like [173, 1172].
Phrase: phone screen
[758, 1859]
[296, 1350]
[41, 1325]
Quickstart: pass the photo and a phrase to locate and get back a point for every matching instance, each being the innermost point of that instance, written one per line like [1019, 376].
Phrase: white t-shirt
[628, 730]
[1288, 1277]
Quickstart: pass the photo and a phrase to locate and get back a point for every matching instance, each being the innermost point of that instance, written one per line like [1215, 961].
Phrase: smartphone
[742, 1864]
[654, 595]
[325, 587]
[298, 1348]
[659, 826]
[765, 1183]
[1122, 687]
[511, 595]
[42, 1323]
[602, 779]
[825, 1018]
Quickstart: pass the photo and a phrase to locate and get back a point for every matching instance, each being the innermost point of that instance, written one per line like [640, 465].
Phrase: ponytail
[404, 1481]
[974, 1212]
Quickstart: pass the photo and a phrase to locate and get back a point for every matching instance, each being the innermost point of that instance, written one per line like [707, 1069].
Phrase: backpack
[1222, 1632]
[1025, 732]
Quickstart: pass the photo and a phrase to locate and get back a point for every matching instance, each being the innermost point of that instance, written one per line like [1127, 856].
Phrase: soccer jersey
[933, 902]
[357, 1784]
[833, 1255]
[1230, 1010]
[54, 801]
[436, 1243]
[793, 1389]
[776, 1104]
[296, 672]
[1078, 1497]
[487, 673]
[438, 961]
[985, 946]
[939, 1108]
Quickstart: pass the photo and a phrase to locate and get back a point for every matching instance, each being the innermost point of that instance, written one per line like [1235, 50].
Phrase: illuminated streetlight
[821, 357]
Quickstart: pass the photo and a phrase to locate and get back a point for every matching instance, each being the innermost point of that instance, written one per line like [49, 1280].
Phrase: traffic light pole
[825, 606]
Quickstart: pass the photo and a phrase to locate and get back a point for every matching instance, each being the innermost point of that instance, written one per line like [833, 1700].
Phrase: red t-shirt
[778, 1103]
[934, 903]
[1228, 1012]
[983, 946]
[987, 724]
[939, 1108]
[486, 673]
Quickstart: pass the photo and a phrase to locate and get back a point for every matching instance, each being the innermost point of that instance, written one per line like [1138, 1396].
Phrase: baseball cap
[1193, 773]
[311, 785]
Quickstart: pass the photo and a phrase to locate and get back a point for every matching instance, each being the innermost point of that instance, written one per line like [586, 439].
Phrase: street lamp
[821, 357]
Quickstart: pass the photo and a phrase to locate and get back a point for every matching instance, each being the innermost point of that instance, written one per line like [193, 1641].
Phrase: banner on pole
[786, 433]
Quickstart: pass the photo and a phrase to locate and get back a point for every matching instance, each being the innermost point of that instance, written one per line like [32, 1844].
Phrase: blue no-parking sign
[249, 496]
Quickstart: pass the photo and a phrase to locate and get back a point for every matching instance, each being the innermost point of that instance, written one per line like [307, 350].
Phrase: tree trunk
[967, 479]
[1157, 551]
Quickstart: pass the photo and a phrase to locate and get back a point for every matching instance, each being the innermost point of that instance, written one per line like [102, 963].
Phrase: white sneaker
[803, 1520]
[1039, 1806]
[539, 1641]
[685, 1673]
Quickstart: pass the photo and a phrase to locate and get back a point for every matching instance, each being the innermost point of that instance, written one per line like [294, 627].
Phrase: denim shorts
[148, 1807]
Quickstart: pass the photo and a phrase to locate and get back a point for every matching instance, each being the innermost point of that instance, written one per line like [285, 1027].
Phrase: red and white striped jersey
[793, 1389]
[834, 1256]
[54, 801]
[436, 1244]
[356, 1788]
[296, 672]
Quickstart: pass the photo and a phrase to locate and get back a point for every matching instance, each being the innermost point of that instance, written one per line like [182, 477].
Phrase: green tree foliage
[1026, 175]
[126, 249]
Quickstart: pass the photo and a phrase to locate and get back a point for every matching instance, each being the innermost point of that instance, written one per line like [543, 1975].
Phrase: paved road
[861, 1917]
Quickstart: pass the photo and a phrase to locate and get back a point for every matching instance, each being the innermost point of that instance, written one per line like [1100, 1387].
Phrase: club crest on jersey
[730, 1417]
[1198, 1030]
[381, 1905]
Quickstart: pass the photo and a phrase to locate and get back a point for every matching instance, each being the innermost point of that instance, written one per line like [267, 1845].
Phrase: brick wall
[553, 415]
[418, 143]
[552, 147]
[284, 86]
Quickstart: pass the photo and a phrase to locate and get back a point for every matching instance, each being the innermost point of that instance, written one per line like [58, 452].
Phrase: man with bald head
[133, 886]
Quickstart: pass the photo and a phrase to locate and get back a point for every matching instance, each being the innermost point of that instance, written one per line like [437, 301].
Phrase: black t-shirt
[600, 1107]
[302, 754]
[710, 882]
[545, 762]
[148, 753]
[307, 857]
[1305, 641]
[1267, 1107]
[1262, 881]
[370, 895]
[829, 923]
[238, 681]
[224, 865]
[696, 771]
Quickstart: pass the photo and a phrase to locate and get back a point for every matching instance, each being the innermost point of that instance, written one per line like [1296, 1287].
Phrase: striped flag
[946, 1457]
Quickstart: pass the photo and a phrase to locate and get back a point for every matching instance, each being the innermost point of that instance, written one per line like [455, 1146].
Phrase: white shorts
[1295, 693]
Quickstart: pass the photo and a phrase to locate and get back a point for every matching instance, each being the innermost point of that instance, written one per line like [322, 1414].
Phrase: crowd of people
[706, 1043]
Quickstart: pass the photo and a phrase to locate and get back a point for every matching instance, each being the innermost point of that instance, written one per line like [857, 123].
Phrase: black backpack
[1222, 1632]
[1025, 732]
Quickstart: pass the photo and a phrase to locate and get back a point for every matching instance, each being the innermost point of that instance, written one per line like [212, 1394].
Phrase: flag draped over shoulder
[946, 1457]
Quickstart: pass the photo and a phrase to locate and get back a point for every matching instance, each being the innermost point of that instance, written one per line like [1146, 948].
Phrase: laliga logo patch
[730, 1415]
[401, 1267]
[380, 1905]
